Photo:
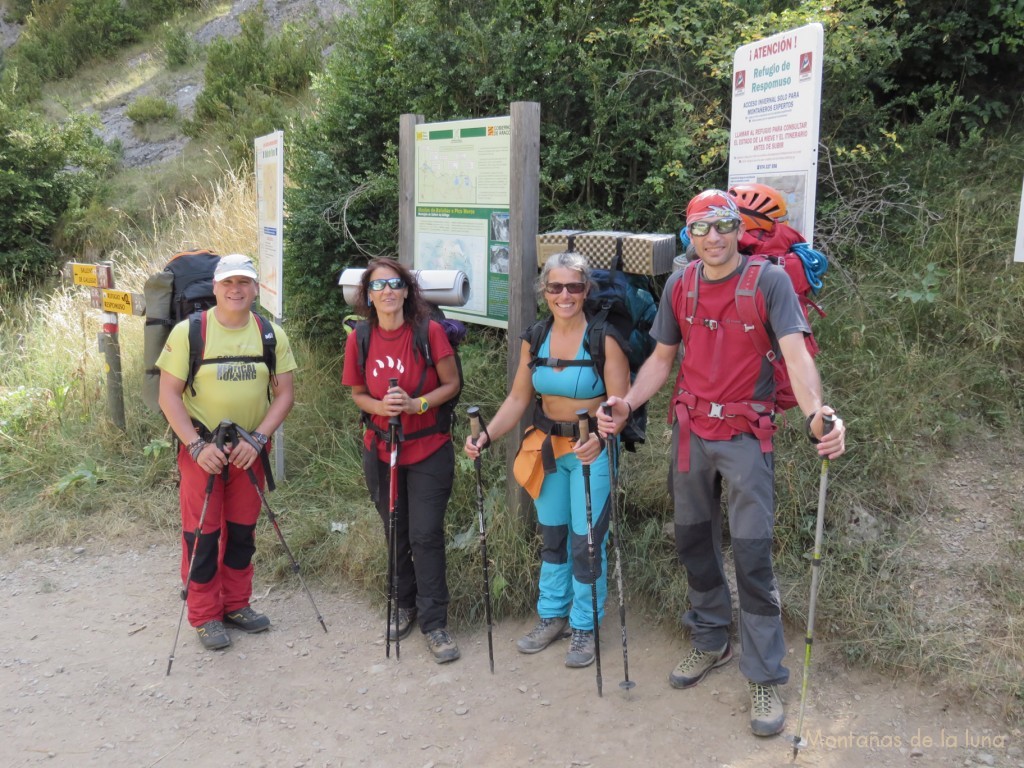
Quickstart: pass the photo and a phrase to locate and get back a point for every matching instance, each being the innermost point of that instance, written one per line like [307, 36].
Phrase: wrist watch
[260, 438]
[424, 405]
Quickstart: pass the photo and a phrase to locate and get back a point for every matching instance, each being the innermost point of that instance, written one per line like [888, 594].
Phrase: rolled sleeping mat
[442, 287]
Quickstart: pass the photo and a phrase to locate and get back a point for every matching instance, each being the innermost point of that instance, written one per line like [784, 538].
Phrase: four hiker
[395, 311]
[550, 461]
[723, 392]
[241, 388]
[722, 411]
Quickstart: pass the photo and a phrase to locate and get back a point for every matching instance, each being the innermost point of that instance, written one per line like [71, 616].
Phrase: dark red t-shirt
[391, 356]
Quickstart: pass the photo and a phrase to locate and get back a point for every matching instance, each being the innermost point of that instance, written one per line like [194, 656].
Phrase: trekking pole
[613, 475]
[475, 422]
[273, 520]
[584, 419]
[827, 423]
[219, 442]
[393, 423]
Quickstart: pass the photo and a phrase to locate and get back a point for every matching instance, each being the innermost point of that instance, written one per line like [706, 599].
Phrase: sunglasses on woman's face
[556, 288]
[722, 227]
[394, 283]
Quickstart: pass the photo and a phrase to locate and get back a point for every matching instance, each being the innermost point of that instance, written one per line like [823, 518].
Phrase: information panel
[776, 107]
[270, 219]
[463, 176]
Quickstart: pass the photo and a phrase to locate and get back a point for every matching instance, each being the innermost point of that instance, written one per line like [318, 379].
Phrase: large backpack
[619, 304]
[782, 245]
[182, 287]
[455, 331]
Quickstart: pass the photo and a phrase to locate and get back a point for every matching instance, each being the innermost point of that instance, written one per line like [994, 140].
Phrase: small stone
[461, 710]
[985, 758]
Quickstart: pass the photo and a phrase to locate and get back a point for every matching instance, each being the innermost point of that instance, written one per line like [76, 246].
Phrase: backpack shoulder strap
[537, 332]
[362, 331]
[196, 348]
[269, 339]
[685, 299]
[746, 307]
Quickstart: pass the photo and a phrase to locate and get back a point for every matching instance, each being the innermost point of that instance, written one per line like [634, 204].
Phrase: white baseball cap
[234, 265]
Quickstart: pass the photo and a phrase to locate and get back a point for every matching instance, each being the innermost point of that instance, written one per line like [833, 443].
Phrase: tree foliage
[48, 173]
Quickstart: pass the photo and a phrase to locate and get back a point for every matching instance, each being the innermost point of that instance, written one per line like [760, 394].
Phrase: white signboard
[463, 187]
[776, 106]
[270, 219]
[1018, 252]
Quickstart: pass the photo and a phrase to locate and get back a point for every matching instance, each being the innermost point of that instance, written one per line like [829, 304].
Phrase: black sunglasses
[394, 283]
[722, 227]
[556, 288]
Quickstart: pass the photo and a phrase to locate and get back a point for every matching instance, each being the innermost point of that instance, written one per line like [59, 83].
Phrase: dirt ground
[87, 633]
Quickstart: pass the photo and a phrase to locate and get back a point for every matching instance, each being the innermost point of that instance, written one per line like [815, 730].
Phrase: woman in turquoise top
[565, 581]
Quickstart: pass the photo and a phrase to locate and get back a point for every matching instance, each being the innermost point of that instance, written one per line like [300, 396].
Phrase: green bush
[245, 80]
[179, 47]
[150, 109]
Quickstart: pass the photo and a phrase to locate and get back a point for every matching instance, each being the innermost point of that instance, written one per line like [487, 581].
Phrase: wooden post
[523, 222]
[407, 188]
[111, 348]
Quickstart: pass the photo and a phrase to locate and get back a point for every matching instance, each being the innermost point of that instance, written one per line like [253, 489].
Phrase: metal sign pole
[111, 348]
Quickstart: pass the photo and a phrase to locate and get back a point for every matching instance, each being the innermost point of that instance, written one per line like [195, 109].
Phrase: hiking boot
[543, 635]
[581, 649]
[767, 714]
[213, 636]
[442, 645]
[247, 620]
[406, 617]
[696, 666]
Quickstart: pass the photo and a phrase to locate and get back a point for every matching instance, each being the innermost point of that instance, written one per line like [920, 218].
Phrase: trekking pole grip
[394, 420]
[474, 422]
[828, 421]
[584, 418]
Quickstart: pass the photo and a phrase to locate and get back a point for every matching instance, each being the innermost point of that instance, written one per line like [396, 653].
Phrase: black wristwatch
[260, 438]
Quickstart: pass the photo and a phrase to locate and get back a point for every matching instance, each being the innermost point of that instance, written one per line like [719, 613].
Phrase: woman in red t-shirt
[390, 301]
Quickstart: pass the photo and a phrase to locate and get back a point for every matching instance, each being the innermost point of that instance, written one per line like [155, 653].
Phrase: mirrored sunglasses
[722, 227]
[556, 288]
[394, 283]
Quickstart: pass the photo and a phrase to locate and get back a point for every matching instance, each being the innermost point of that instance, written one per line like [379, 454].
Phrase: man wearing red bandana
[723, 415]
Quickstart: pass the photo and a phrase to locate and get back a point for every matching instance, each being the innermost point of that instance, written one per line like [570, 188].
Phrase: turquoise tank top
[579, 382]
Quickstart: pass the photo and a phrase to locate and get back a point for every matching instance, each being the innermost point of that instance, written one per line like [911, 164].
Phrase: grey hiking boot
[406, 618]
[581, 649]
[767, 713]
[213, 636]
[543, 635]
[696, 666]
[442, 646]
[247, 620]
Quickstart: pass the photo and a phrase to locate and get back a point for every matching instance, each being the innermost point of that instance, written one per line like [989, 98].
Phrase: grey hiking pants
[749, 477]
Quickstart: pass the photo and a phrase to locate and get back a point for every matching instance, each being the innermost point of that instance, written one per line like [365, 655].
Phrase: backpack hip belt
[550, 427]
[751, 416]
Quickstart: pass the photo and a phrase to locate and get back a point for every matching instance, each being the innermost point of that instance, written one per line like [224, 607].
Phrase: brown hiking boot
[442, 645]
[543, 635]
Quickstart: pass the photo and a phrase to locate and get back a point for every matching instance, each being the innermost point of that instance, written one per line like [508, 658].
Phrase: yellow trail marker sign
[120, 302]
[85, 274]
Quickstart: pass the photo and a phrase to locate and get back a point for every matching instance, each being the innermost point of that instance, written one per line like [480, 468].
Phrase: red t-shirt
[391, 356]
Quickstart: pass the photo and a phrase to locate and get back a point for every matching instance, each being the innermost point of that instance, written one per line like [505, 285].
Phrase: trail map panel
[463, 177]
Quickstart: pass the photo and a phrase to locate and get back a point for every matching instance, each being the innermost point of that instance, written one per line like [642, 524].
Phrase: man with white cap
[723, 414]
[235, 378]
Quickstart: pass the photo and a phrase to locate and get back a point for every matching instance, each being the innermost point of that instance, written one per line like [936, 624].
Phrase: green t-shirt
[232, 390]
